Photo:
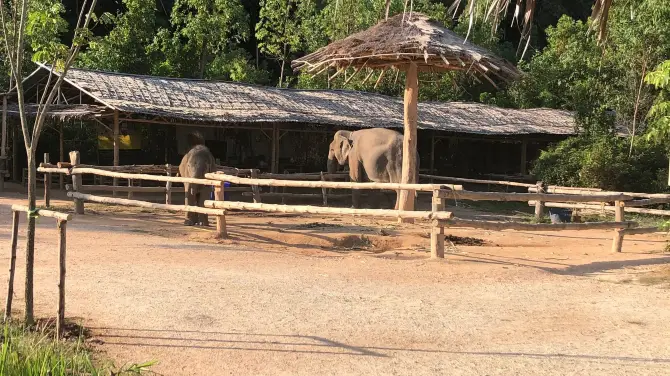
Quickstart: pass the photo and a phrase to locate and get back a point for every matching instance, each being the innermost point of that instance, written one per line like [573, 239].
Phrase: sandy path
[526, 304]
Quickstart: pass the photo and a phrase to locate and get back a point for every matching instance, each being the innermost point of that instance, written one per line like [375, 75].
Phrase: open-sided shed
[112, 99]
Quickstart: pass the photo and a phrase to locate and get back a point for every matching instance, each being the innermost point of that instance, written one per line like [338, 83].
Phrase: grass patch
[35, 352]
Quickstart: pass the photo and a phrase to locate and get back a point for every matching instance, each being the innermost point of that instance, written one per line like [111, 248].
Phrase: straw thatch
[227, 102]
[404, 38]
[60, 112]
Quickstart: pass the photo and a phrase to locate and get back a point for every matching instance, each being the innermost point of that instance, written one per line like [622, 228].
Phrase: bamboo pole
[62, 236]
[47, 184]
[606, 208]
[520, 197]
[143, 204]
[477, 181]
[499, 226]
[305, 209]
[44, 213]
[123, 175]
[409, 171]
[76, 183]
[12, 265]
[437, 228]
[328, 184]
[221, 231]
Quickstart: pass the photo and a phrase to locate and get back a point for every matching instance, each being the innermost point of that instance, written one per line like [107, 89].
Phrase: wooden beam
[306, 209]
[409, 171]
[520, 197]
[47, 184]
[62, 237]
[477, 181]
[499, 226]
[143, 204]
[116, 146]
[437, 230]
[76, 183]
[44, 213]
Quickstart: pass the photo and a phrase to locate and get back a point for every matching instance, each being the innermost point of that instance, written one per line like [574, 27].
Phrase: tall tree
[22, 21]
[124, 49]
[201, 32]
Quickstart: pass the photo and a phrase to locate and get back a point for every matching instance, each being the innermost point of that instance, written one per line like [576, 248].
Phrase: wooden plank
[305, 209]
[499, 226]
[143, 204]
[12, 264]
[520, 197]
[328, 184]
[44, 213]
[409, 169]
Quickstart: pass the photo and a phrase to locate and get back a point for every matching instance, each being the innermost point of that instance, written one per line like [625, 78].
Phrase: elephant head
[338, 151]
[194, 139]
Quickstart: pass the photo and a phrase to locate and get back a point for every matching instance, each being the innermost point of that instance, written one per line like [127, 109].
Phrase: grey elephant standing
[373, 155]
[197, 162]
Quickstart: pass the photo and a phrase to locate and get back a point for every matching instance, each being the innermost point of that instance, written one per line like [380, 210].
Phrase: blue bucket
[226, 184]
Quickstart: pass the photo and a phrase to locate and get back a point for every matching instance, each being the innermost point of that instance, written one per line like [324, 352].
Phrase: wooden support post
[76, 183]
[168, 186]
[47, 183]
[130, 192]
[62, 235]
[12, 264]
[274, 163]
[116, 147]
[324, 191]
[539, 205]
[220, 219]
[61, 154]
[617, 243]
[437, 229]
[524, 154]
[432, 156]
[619, 208]
[409, 172]
[255, 189]
[16, 171]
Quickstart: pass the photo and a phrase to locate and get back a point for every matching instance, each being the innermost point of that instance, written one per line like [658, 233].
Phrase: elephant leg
[189, 200]
[202, 196]
[397, 200]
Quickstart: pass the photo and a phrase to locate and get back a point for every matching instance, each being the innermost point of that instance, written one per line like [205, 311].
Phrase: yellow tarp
[127, 142]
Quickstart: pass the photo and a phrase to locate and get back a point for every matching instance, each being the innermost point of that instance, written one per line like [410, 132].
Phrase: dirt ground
[344, 296]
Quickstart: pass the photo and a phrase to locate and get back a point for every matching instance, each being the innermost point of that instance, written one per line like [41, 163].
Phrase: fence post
[168, 185]
[619, 211]
[12, 264]
[47, 183]
[62, 235]
[324, 191]
[617, 243]
[130, 193]
[220, 219]
[254, 188]
[539, 204]
[437, 231]
[76, 183]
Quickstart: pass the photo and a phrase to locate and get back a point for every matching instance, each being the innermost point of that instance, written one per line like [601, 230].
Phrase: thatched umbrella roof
[407, 38]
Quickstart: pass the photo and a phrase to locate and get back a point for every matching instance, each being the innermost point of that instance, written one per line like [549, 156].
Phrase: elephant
[195, 164]
[373, 154]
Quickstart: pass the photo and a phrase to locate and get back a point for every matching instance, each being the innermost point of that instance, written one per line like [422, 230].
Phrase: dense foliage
[565, 65]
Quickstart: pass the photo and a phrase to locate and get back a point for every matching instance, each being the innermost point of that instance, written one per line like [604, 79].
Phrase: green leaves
[659, 115]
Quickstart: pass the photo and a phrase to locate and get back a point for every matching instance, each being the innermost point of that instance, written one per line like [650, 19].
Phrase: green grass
[36, 353]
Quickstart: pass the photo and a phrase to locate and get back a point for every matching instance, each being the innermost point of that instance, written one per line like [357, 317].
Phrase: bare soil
[326, 295]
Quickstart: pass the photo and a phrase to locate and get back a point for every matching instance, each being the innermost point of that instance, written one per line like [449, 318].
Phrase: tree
[124, 49]
[201, 33]
[25, 20]
[659, 115]
[279, 30]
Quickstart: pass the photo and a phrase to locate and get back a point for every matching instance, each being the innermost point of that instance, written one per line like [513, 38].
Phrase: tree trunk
[30, 237]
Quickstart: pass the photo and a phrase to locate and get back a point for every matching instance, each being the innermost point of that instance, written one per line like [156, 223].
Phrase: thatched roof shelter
[407, 38]
[411, 42]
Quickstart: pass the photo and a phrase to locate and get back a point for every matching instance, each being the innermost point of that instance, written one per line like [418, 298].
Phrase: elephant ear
[347, 144]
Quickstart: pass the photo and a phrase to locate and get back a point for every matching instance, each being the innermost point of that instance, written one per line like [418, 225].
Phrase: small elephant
[195, 164]
[373, 155]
